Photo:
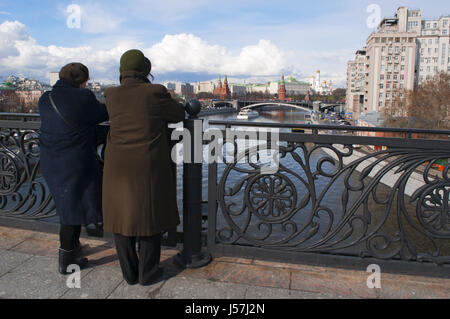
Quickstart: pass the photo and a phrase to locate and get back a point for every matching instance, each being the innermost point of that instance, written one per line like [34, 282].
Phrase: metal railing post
[192, 255]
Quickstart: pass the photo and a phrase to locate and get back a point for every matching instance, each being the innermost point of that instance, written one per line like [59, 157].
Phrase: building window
[390, 50]
[403, 58]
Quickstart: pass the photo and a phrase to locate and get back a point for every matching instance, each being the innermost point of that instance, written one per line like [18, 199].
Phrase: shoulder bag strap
[60, 115]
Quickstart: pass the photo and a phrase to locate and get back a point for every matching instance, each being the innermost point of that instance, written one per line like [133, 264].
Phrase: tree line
[427, 107]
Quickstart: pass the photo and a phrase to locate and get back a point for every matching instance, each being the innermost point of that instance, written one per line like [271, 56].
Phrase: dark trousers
[69, 237]
[136, 269]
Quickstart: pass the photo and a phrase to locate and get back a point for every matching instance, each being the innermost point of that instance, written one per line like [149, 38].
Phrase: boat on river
[247, 114]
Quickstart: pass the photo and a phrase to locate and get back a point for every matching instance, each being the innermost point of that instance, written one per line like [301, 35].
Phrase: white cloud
[10, 32]
[188, 53]
[183, 53]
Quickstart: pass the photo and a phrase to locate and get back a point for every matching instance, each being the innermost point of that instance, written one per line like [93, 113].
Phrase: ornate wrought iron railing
[23, 192]
[334, 196]
[330, 196]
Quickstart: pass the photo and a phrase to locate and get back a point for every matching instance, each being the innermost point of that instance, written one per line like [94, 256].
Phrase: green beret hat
[75, 73]
[134, 60]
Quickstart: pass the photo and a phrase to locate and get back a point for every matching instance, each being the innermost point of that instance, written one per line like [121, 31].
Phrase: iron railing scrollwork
[335, 199]
[23, 192]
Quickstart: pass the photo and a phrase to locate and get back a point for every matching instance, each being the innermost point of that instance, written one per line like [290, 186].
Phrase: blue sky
[193, 40]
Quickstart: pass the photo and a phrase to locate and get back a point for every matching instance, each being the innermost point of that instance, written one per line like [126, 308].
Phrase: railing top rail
[24, 125]
[20, 115]
[332, 127]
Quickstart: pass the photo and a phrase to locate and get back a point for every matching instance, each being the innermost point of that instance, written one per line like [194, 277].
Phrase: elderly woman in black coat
[69, 116]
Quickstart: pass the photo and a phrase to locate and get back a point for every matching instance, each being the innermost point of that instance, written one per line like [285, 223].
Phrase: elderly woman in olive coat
[139, 191]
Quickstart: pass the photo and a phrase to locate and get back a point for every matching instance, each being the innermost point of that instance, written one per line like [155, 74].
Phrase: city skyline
[192, 41]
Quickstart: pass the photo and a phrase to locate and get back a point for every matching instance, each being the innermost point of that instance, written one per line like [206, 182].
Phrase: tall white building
[205, 87]
[54, 77]
[404, 52]
[356, 83]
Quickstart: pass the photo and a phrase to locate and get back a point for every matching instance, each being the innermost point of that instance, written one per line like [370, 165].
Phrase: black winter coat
[68, 157]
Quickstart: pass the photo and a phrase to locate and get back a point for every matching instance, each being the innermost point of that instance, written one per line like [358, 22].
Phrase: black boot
[67, 258]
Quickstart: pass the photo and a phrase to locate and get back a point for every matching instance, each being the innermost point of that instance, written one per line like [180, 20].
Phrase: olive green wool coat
[139, 191]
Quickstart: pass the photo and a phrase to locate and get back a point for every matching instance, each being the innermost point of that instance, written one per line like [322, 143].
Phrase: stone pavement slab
[99, 283]
[10, 260]
[197, 288]
[125, 291]
[28, 269]
[11, 237]
[37, 278]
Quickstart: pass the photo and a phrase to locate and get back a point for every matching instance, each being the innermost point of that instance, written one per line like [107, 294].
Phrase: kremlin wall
[285, 87]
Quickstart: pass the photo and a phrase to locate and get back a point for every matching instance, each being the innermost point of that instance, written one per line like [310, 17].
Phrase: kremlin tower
[223, 91]
[282, 89]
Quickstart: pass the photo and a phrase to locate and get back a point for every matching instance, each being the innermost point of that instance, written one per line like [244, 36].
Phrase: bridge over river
[278, 104]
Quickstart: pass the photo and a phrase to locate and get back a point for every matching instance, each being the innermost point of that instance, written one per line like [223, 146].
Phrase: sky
[193, 40]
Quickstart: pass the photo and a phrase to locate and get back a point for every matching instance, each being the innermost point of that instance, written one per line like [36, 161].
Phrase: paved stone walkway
[28, 269]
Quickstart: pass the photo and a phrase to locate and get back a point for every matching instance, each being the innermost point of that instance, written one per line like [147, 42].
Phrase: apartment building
[404, 52]
[356, 80]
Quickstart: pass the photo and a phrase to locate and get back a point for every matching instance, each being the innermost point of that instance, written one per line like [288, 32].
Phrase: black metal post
[192, 255]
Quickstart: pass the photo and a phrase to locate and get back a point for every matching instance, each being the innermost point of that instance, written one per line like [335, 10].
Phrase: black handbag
[94, 230]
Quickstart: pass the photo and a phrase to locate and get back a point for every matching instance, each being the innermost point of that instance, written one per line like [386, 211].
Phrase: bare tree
[426, 107]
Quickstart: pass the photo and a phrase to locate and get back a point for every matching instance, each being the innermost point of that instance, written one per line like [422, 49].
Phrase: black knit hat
[75, 73]
[134, 60]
